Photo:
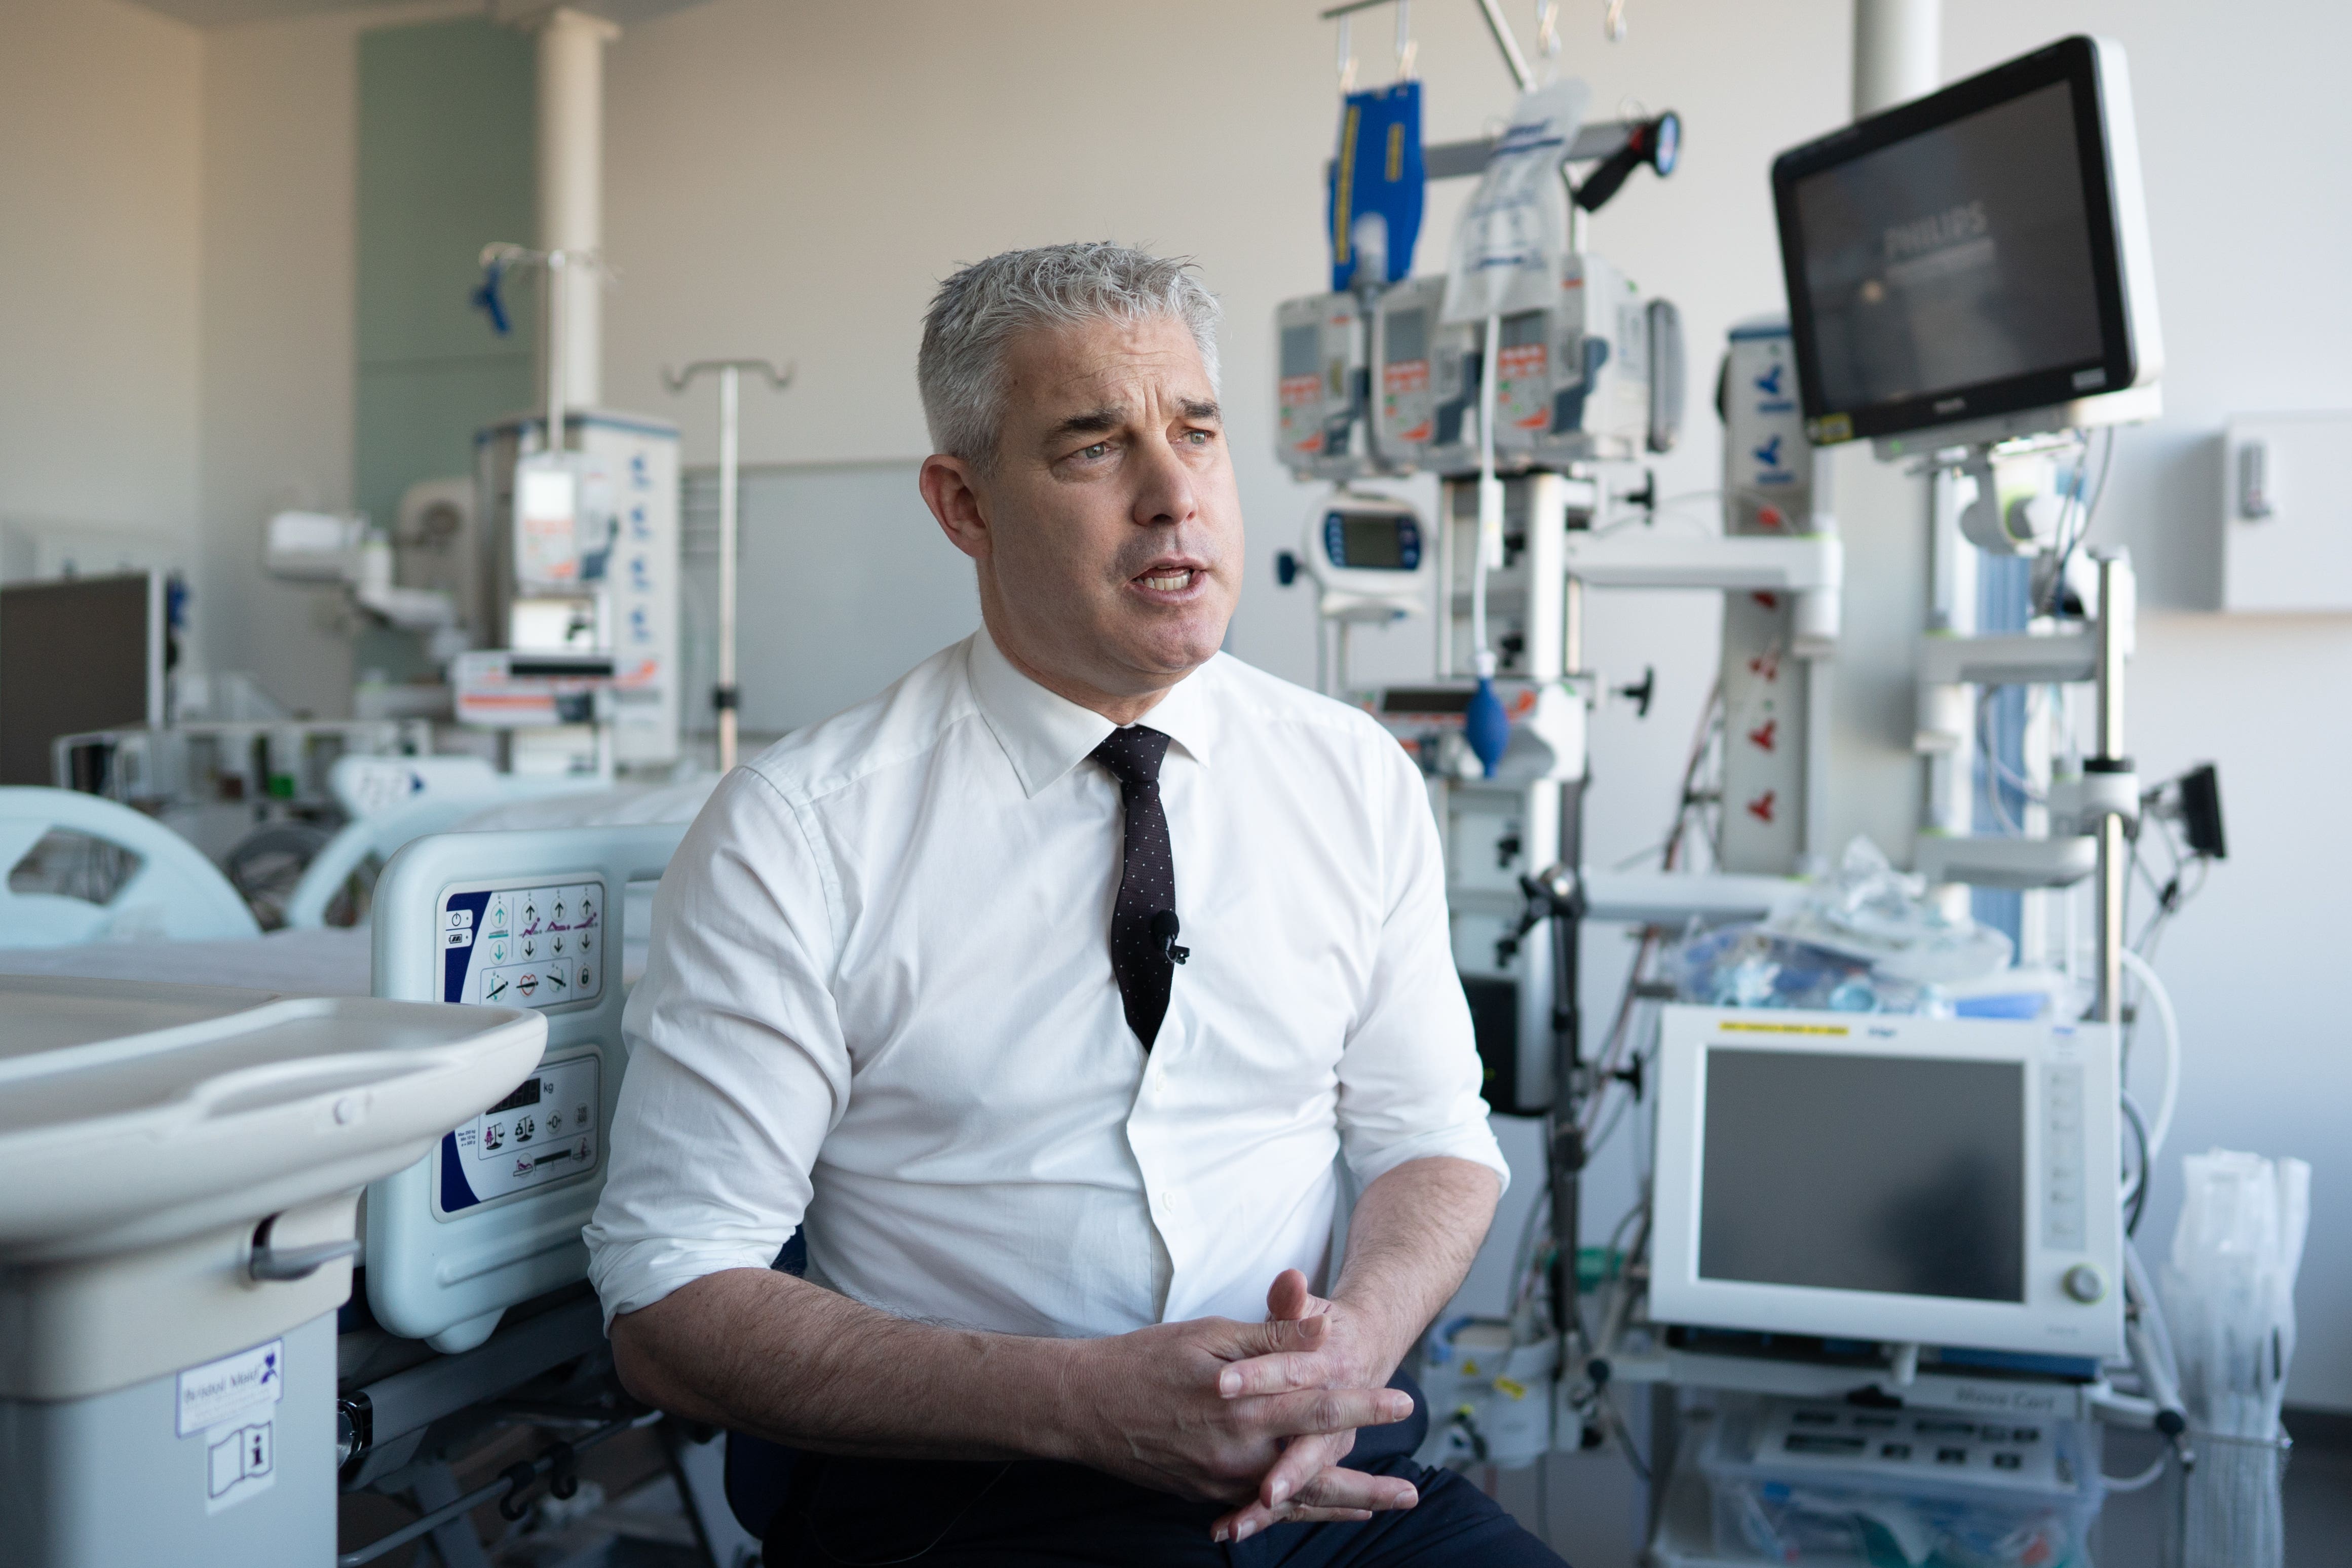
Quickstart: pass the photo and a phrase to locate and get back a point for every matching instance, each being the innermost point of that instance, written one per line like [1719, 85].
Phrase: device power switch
[2084, 1283]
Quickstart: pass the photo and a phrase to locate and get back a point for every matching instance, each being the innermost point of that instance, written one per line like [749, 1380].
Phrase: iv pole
[723, 697]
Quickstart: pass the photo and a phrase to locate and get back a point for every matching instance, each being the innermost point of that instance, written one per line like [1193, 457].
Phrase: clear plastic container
[1901, 1488]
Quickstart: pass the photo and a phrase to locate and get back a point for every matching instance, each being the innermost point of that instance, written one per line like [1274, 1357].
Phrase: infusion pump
[1594, 376]
[1368, 554]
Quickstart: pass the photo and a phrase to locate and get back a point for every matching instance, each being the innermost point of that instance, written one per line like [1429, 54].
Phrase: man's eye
[1099, 449]
[1200, 437]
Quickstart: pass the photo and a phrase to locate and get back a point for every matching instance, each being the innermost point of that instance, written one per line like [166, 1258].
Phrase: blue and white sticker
[220, 1390]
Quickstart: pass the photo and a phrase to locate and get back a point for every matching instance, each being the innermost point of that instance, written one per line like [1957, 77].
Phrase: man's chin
[1176, 648]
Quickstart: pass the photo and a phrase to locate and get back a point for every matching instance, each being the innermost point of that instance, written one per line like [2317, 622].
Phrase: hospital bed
[471, 1306]
[171, 893]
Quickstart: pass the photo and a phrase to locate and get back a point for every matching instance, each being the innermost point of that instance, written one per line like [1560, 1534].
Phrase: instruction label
[232, 1404]
[239, 1462]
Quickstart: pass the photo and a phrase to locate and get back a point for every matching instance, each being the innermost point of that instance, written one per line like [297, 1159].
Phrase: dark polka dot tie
[1147, 882]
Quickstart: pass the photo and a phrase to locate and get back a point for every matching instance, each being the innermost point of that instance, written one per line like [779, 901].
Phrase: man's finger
[1275, 1337]
[1335, 1493]
[1327, 1410]
[1278, 1373]
[1339, 1486]
[1256, 1517]
[1300, 1463]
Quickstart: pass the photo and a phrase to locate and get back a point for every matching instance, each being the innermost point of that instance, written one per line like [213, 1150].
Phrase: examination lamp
[1658, 142]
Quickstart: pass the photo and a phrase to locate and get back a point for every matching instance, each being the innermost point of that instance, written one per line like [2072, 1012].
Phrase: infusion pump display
[536, 945]
[1366, 553]
[1360, 541]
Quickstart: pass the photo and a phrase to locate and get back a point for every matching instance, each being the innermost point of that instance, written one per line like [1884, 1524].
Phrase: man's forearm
[766, 1354]
[1409, 1243]
[763, 1352]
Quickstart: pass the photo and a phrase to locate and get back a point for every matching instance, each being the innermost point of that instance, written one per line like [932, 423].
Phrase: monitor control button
[2084, 1283]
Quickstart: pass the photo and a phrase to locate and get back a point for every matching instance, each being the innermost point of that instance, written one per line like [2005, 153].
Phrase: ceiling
[230, 13]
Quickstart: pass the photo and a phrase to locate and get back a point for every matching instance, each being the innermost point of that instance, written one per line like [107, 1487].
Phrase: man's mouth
[1170, 576]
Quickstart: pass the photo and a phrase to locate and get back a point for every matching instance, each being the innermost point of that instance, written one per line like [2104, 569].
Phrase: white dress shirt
[879, 1004]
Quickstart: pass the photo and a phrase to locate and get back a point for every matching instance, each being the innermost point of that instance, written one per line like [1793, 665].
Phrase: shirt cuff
[1473, 1141]
[632, 1276]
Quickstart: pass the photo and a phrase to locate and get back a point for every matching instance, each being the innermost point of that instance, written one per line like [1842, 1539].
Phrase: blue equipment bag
[1378, 172]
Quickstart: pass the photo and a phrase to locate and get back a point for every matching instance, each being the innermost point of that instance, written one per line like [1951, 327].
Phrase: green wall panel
[445, 138]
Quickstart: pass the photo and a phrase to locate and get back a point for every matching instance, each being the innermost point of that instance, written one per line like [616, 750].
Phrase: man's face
[1107, 532]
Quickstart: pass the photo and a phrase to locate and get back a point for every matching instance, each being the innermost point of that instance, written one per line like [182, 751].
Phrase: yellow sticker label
[1728, 1027]
[1833, 427]
[1512, 1386]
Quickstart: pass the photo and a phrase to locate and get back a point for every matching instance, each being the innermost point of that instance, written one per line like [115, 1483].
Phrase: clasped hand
[1258, 1415]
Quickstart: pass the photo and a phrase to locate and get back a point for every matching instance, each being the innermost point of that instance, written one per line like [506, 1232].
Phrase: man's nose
[1164, 493]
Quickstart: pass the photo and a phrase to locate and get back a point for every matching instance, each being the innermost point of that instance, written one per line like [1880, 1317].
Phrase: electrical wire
[1990, 754]
[2134, 1196]
[1624, 1435]
[1490, 499]
[1988, 778]
[2089, 513]
[2146, 1478]
[2167, 1103]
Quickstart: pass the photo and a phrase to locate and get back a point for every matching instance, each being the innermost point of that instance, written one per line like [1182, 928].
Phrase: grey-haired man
[1051, 1031]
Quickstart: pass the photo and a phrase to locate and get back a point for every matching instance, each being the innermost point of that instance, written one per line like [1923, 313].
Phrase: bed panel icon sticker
[542, 1132]
[532, 945]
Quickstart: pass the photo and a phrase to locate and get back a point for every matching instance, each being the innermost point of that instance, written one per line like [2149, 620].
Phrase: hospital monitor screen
[1975, 253]
[1864, 1173]
[77, 654]
[1890, 1179]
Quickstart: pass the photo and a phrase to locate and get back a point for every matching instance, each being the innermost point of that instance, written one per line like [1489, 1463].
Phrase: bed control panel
[539, 945]
[546, 1130]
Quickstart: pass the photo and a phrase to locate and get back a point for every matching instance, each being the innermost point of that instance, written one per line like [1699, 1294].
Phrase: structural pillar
[572, 187]
[1896, 52]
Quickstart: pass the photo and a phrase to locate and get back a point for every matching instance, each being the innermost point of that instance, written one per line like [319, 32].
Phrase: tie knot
[1133, 755]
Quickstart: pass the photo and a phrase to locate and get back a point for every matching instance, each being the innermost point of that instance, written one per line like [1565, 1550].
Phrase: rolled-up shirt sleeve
[1409, 1075]
[738, 1067]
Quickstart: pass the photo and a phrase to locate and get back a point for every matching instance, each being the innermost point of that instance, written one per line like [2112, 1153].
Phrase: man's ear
[946, 486]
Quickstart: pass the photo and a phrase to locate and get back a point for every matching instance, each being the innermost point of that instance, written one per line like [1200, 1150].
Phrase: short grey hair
[960, 368]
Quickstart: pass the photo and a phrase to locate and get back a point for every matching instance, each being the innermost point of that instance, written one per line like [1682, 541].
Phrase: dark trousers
[1037, 1514]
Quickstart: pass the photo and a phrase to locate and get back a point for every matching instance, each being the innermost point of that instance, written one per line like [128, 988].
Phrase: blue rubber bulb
[1486, 726]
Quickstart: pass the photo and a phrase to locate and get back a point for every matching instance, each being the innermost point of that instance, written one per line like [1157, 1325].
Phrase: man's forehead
[1091, 363]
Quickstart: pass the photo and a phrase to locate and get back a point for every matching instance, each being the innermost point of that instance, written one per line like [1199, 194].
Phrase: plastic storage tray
[1907, 1489]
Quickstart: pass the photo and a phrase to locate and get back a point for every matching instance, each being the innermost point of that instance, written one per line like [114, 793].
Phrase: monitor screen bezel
[2073, 61]
[2047, 1322]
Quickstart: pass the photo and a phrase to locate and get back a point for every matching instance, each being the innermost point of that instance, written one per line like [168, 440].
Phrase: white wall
[98, 219]
[792, 181]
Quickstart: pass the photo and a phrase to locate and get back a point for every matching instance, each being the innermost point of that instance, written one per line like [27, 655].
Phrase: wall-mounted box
[2287, 512]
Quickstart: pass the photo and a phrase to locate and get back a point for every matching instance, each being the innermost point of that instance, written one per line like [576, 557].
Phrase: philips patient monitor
[1978, 257]
[1906, 1180]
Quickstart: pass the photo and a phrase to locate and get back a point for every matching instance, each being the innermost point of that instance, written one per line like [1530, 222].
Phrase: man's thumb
[1287, 1297]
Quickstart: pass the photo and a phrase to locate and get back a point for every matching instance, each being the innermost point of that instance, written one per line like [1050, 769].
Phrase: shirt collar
[1045, 735]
